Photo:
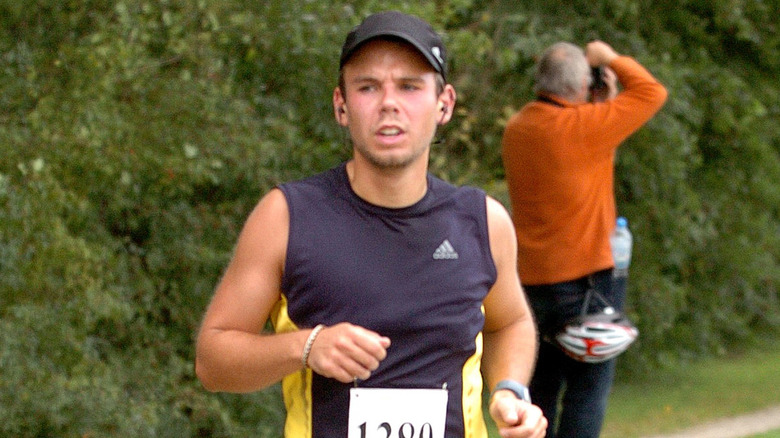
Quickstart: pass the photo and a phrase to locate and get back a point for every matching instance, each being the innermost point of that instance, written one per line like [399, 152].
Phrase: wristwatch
[520, 390]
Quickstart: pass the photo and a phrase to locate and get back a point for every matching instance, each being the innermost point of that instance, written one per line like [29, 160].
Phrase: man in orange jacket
[559, 152]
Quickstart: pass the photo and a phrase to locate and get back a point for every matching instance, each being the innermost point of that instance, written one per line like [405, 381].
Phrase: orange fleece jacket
[559, 163]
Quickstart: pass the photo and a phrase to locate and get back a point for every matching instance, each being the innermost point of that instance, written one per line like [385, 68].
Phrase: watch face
[526, 396]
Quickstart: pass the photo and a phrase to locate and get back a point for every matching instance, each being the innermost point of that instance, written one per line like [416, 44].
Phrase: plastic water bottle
[621, 241]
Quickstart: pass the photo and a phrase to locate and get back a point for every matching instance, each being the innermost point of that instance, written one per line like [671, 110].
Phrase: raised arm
[612, 121]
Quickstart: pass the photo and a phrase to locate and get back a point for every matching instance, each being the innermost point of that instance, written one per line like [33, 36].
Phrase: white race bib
[397, 413]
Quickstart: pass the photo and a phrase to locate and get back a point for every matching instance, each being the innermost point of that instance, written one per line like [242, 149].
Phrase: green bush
[136, 136]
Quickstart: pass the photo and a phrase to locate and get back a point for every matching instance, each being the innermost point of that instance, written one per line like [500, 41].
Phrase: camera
[598, 83]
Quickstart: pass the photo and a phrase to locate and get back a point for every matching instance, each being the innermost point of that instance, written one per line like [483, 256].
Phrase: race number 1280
[397, 413]
[406, 430]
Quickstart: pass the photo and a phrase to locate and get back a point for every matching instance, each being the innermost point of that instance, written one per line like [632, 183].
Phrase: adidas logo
[445, 251]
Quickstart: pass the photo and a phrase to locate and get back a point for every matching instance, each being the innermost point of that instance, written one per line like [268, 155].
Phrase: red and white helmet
[597, 337]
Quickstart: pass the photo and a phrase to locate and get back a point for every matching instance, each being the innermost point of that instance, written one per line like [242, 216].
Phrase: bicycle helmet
[596, 337]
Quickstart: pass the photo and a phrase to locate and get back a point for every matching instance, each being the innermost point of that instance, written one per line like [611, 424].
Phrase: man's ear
[340, 107]
[446, 104]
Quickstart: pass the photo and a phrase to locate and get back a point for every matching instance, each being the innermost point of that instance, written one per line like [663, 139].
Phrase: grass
[692, 394]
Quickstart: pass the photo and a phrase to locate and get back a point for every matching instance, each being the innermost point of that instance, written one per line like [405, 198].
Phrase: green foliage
[670, 402]
[137, 135]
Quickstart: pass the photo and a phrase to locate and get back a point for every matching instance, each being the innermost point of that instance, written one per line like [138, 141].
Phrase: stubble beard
[394, 162]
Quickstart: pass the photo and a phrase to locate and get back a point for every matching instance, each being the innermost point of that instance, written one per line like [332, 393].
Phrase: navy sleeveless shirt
[417, 275]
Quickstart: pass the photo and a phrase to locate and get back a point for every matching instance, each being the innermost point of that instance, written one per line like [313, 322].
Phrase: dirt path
[736, 427]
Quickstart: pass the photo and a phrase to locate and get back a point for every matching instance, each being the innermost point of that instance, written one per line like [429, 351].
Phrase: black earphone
[444, 109]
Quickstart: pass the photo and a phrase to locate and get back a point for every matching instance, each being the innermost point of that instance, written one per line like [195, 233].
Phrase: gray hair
[561, 71]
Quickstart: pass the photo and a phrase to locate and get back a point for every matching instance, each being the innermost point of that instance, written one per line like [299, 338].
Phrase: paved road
[736, 427]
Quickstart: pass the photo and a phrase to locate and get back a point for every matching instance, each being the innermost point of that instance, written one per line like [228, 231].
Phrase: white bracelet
[309, 343]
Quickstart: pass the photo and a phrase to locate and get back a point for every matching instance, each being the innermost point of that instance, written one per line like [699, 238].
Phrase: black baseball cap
[399, 25]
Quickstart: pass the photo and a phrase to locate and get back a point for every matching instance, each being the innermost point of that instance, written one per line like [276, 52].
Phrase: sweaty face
[391, 104]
